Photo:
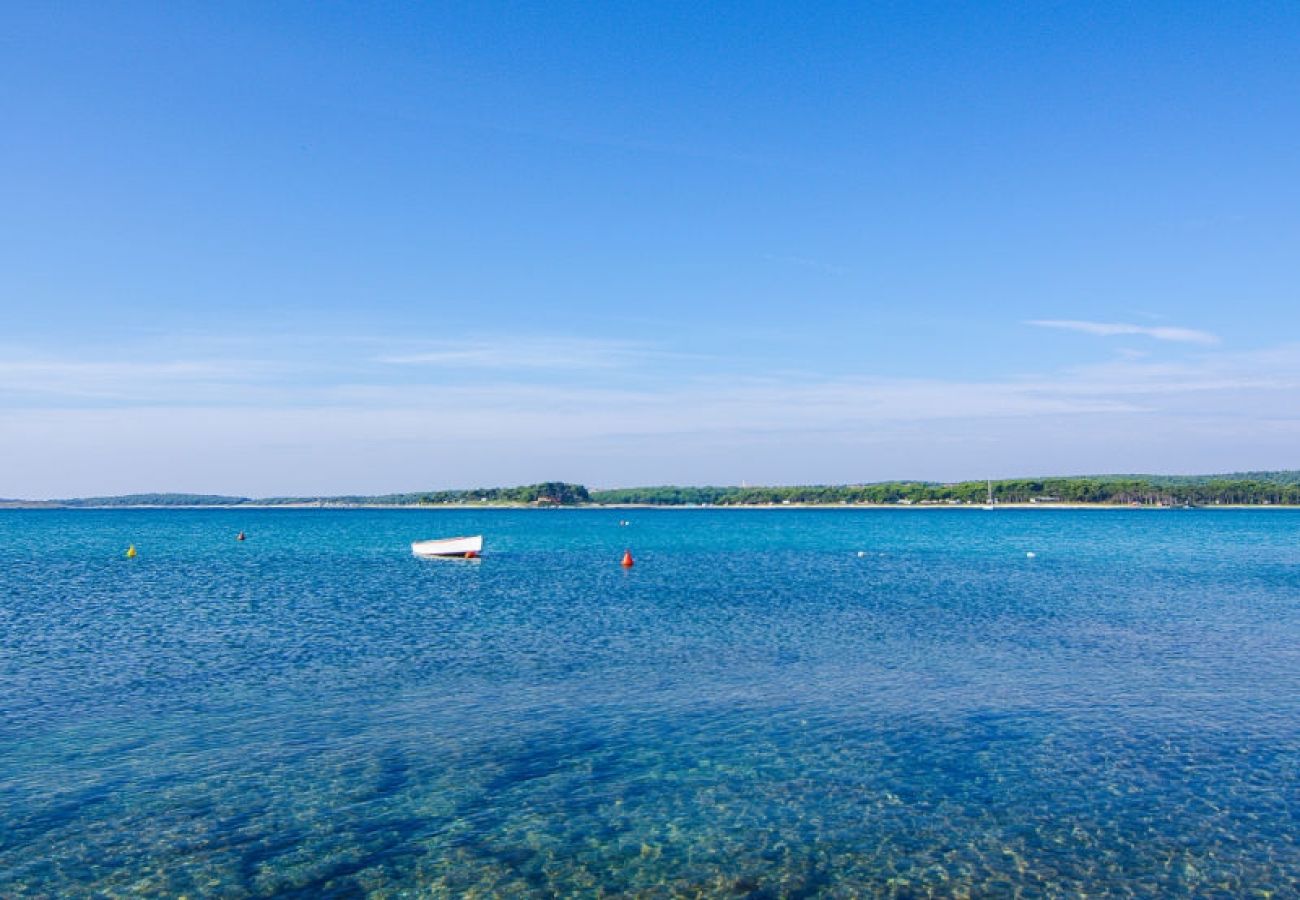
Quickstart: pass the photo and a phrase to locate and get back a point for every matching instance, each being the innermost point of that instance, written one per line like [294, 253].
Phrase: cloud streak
[352, 424]
[1112, 329]
[644, 396]
[522, 353]
[123, 381]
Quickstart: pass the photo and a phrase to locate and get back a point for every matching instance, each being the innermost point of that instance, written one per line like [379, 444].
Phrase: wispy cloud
[194, 426]
[120, 380]
[522, 353]
[505, 378]
[1111, 329]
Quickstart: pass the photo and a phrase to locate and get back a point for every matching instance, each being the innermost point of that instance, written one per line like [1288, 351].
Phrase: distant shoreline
[1253, 490]
[463, 507]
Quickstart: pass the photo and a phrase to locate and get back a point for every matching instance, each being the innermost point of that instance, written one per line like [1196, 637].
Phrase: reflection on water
[754, 710]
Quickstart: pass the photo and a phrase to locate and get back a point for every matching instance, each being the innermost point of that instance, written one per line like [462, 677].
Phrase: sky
[325, 248]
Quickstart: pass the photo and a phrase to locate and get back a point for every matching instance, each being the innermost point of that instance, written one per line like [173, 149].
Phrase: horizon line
[208, 495]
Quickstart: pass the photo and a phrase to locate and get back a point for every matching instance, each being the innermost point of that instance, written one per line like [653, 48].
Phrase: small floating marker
[1031, 554]
[627, 559]
[241, 537]
[861, 553]
[130, 551]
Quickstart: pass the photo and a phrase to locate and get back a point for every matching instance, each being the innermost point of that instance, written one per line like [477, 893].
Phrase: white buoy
[1031, 554]
[861, 553]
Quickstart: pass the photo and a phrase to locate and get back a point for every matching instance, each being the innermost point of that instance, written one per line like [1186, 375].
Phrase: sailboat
[989, 504]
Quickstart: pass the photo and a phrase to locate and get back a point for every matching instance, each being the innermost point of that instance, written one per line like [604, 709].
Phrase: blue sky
[299, 248]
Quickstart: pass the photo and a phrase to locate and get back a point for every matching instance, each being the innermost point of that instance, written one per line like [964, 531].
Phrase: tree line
[1252, 488]
[1119, 490]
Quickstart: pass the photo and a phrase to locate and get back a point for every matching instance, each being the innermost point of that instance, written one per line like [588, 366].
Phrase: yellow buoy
[130, 552]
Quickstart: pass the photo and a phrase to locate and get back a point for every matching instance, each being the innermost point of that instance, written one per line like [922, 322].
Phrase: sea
[769, 703]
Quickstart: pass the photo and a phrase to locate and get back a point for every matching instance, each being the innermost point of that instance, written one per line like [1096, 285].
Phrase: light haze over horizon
[292, 248]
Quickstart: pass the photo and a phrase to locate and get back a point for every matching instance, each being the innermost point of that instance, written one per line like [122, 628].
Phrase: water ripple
[754, 710]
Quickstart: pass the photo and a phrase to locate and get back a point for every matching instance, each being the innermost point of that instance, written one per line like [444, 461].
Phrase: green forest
[1109, 489]
[1249, 488]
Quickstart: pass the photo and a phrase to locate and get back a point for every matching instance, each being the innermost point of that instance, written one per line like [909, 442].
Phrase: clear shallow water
[752, 710]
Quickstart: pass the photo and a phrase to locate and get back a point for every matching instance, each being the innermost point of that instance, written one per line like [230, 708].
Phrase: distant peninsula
[1280, 488]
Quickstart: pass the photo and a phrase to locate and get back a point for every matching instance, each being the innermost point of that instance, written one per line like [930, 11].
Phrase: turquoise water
[754, 709]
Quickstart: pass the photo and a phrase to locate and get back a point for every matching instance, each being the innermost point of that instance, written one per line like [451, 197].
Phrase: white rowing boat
[464, 547]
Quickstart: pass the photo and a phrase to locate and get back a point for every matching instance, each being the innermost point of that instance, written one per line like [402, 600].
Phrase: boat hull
[457, 546]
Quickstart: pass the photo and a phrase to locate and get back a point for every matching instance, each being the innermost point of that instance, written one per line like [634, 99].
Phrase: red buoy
[627, 559]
